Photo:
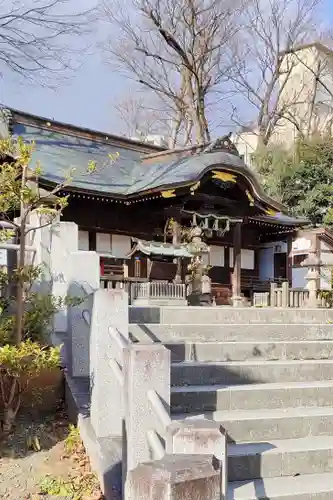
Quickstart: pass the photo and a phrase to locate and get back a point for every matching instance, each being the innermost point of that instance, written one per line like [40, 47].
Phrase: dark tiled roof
[127, 176]
[58, 151]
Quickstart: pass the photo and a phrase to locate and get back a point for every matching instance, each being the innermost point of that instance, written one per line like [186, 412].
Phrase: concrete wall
[298, 277]
[301, 90]
[301, 244]
[246, 144]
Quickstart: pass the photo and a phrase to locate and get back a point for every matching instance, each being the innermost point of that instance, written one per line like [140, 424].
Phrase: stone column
[285, 294]
[236, 275]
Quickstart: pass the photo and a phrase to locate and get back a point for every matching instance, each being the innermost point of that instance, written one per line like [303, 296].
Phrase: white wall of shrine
[300, 246]
[217, 257]
[117, 246]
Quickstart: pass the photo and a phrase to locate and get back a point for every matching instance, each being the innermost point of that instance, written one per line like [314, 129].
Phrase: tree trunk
[11, 400]
[21, 263]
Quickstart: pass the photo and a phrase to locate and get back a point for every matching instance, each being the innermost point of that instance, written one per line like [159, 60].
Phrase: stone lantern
[312, 262]
[198, 281]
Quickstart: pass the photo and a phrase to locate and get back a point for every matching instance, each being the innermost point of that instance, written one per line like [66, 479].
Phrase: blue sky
[87, 99]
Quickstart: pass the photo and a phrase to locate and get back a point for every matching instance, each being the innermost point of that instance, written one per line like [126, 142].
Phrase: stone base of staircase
[105, 454]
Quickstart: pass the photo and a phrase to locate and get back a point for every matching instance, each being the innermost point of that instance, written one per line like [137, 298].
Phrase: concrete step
[245, 351]
[310, 455]
[211, 332]
[226, 315]
[302, 487]
[247, 372]
[191, 399]
[264, 425]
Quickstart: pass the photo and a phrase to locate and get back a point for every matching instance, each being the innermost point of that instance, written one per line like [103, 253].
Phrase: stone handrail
[119, 339]
[164, 421]
[117, 371]
[155, 444]
[159, 408]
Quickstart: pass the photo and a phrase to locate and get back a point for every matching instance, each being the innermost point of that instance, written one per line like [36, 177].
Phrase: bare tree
[143, 115]
[263, 69]
[36, 36]
[177, 49]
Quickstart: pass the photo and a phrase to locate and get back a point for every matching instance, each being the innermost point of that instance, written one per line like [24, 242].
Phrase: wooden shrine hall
[135, 209]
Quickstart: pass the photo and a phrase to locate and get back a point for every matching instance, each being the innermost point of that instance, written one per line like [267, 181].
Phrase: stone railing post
[146, 373]
[285, 294]
[200, 437]
[83, 283]
[273, 300]
[109, 319]
[175, 477]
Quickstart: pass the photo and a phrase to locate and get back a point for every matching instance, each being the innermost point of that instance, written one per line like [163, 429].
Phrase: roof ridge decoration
[221, 144]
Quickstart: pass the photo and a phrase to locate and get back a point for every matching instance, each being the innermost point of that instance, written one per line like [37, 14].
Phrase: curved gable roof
[130, 175]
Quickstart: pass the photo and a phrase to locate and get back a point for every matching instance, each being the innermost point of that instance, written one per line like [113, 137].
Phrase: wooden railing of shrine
[142, 289]
[158, 290]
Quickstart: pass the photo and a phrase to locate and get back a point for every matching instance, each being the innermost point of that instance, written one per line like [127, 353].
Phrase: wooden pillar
[176, 240]
[236, 275]
[290, 259]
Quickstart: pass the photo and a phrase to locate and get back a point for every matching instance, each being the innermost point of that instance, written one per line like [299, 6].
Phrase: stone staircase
[267, 376]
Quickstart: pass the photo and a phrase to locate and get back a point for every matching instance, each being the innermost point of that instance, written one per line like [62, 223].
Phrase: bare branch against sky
[37, 37]
[144, 114]
[260, 74]
[178, 50]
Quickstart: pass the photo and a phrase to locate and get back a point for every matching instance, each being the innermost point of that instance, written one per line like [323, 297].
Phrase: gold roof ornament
[194, 187]
[270, 212]
[224, 176]
[168, 194]
[250, 197]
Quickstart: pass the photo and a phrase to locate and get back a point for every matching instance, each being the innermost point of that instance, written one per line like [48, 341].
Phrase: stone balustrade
[284, 296]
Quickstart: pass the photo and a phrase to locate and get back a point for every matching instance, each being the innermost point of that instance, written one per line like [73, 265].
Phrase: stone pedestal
[200, 437]
[175, 477]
